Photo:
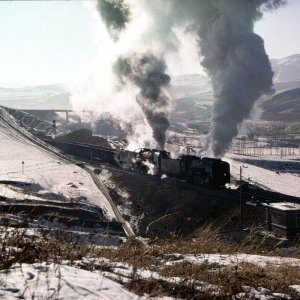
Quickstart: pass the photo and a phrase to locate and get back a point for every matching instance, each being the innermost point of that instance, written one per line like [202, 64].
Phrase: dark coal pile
[84, 136]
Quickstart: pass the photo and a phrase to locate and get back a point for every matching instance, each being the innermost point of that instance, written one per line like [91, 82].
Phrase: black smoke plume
[147, 72]
[231, 52]
[115, 14]
[234, 57]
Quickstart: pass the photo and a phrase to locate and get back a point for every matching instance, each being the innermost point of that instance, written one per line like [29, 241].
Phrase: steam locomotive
[196, 170]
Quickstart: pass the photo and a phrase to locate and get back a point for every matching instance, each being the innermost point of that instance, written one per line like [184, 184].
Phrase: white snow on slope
[50, 281]
[52, 173]
[284, 183]
[235, 259]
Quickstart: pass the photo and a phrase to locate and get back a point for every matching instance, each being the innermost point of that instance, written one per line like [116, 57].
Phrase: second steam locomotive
[196, 170]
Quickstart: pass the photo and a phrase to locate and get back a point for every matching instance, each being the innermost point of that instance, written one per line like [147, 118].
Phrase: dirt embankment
[168, 208]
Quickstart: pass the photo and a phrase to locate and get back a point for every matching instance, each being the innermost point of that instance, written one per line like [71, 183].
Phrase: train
[193, 169]
[196, 170]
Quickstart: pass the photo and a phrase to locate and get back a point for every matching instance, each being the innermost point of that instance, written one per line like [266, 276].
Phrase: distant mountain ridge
[286, 69]
[192, 95]
[36, 97]
[284, 107]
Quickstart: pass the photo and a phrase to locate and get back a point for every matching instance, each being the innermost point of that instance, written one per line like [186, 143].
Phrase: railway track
[126, 226]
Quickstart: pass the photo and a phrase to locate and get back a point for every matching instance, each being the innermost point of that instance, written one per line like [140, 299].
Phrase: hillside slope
[26, 160]
[286, 69]
[284, 107]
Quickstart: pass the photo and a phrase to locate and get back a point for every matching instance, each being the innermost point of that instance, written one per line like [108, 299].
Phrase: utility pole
[241, 201]
[54, 128]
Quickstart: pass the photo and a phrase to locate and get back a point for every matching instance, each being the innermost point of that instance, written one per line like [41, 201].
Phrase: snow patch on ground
[235, 259]
[51, 281]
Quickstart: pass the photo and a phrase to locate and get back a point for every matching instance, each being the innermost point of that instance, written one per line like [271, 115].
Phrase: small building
[283, 218]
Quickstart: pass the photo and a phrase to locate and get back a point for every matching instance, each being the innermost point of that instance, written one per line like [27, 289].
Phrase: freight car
[196, 170]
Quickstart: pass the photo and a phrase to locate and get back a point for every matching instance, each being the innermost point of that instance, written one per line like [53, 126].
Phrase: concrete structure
[283, 218]
[37, 112]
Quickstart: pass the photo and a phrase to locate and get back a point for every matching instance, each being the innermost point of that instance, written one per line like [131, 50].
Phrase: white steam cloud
[132, 31]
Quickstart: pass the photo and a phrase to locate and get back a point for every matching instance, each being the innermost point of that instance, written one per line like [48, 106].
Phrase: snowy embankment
[43, 280]
[236, 259]
[25, 161]
[51, 281]
[278, 175]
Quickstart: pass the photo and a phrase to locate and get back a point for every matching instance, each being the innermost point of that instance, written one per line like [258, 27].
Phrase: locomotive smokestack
[148, 73]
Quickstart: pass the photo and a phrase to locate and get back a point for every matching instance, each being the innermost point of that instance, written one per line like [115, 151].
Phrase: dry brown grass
[226, 282]
[159, 288]
[18, 246]
[232, 278]
[208, 239]
[228, 279]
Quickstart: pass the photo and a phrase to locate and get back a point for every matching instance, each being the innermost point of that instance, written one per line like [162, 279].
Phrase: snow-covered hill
[35, 97]
[192, 96]
[284, 107]
[286, 69]
[26, 160]
[191, 85]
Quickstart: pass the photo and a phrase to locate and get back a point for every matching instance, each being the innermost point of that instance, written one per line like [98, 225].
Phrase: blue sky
[44, 42]
[281, 30]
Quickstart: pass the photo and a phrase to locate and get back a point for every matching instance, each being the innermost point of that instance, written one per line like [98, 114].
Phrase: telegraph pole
[241, 201]
[54, 128]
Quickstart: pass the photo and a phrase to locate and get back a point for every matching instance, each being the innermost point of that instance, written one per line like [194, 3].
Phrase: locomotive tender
[196, 170]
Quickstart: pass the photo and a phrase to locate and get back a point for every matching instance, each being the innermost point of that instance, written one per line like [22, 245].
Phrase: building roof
[286, 206]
